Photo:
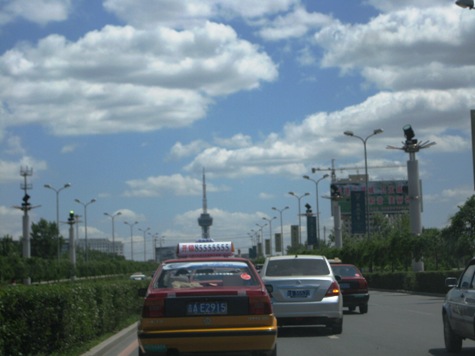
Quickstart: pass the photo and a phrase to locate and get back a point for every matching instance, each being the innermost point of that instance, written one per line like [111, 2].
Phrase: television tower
[205, 220]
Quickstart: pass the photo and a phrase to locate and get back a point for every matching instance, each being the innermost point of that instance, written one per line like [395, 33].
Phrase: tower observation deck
[205, 220]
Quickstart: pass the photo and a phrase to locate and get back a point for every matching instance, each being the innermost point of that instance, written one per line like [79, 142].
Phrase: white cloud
[161, 78]
[294, 25]
[37, 11]
[189, 13]
[175, 184]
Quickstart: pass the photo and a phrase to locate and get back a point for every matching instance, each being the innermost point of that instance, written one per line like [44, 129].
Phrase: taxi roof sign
[205, 249]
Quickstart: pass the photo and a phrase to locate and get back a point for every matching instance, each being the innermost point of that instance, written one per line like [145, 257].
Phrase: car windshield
[346, 271]
[205, 274]
[296, 267]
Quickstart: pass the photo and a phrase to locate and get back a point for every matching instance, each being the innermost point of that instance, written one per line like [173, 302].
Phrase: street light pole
[300, 215]
[112, 216]
[270, 232]
[144, 243]
[317, 199]
[131, 225]
[281, 228]
[85, 220]
[260, 238]
[364, 140]
[48, 186]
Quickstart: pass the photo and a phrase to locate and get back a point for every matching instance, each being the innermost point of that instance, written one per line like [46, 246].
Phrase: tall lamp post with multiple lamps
[85, 221]
[113, 216]
[281, 228]
[48, 186]
[317, 199]
[131, 225]
[300, 215]
[364, 140]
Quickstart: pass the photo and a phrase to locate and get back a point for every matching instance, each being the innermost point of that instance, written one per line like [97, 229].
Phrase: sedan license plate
[298, 293]
[207, 308]
[344, 285]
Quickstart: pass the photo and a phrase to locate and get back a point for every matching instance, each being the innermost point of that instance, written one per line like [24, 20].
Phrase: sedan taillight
[334, 290]
[154, 306]
[259, 303]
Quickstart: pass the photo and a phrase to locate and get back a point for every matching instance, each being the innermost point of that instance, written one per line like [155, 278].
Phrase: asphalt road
[396, 324]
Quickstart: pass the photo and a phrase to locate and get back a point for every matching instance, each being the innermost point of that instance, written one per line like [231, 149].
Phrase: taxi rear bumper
[209, 340]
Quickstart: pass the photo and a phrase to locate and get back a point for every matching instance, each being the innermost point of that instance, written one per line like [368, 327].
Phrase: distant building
[102, 245]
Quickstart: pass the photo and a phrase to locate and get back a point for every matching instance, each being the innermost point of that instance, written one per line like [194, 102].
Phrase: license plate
[207, 308]
[344, 285]
[299, 293]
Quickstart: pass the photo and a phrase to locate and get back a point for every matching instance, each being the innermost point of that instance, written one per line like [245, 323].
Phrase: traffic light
[26, 203]
[71, 216]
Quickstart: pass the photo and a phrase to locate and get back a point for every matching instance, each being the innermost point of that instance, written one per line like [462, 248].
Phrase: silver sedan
[304, 291]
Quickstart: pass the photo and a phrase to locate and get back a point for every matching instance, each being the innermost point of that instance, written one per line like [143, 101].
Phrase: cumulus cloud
[175, 184]
[163, 78]
[37, 11]
[189, 13]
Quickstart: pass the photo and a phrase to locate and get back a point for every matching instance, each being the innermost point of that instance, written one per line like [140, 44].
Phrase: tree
[45, 240]
[460, 235]
[8, 247]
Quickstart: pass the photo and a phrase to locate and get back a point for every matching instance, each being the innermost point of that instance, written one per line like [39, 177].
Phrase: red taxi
[207, 301]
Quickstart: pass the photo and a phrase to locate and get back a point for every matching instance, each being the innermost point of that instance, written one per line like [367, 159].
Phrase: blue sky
[129, 100]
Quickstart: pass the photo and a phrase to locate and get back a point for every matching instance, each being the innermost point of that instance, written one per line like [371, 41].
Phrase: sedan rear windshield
[297, 267]
[213, 274]
[346, 271]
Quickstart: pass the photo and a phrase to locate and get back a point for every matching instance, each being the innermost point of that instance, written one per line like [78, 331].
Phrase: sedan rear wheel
[453, 342]
[337, 327]
[363, 308]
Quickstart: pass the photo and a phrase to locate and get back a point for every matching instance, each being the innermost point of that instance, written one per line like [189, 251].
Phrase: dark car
[207, 301]
[458, 310]
[353, 285]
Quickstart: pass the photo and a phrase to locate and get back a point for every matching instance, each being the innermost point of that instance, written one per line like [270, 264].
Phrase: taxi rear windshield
[205, 275]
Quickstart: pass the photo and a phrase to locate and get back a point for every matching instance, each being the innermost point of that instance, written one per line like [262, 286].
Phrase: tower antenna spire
[205, 220]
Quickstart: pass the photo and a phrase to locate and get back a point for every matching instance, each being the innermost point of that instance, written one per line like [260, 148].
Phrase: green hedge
[422, 282]
[49, 319]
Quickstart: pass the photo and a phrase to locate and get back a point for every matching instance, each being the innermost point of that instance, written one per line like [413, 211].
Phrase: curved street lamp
[131, 225]
[270, 232]
[48, 186]
[300, 215]
[317, 199]
[364, 140]
[144, 243]
[259, 238]
[281, 228]
[112, 216]
[85, 220]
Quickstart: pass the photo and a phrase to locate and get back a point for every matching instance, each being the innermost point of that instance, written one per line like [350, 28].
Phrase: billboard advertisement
[386, 197]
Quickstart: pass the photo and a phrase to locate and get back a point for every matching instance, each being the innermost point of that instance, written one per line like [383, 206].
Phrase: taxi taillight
[259, 303]
[154, 306]
[333, 290]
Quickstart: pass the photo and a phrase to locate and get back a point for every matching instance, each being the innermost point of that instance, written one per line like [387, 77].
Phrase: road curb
[110, 342]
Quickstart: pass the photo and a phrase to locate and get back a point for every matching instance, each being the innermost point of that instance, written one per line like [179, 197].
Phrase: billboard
[386, 197]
